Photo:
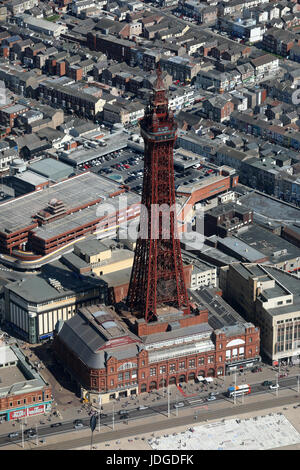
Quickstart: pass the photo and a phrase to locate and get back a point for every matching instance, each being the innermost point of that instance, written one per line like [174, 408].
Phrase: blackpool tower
[157, 277]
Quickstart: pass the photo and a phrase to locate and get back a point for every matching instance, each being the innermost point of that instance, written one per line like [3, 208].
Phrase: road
[165, 423]
[192, 405]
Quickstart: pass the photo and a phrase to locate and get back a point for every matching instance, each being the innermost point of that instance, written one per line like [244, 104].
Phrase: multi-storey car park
[43, 221]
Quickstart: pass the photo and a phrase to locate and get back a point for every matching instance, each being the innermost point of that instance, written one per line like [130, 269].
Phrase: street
[193, 411]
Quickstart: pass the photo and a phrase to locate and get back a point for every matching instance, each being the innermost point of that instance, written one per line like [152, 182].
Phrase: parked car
[55, 425]
[78, 425]
[211, 398]
[124, 416]
[13, 434]
[179, 404]
[143, 407]
[77, 421]
[274, 387]
[30, 432]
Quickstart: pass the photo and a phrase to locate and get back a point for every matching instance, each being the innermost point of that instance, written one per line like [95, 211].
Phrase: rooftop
[39, 288]
[16, 214]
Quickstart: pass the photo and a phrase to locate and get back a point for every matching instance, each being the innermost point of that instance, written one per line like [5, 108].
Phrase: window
[250, 340]
[201, 361]
[19, 403]
[143, 363]
[24, 401]
[220, 346]
[192, 363]
[127, 375]
[162, 369]
[112, 383]
[210, 359]
[172, 367]
[220, 358]
[120, 377]
[152, 371]
[33, 398]
[111, 369]
[182, 365]
[11, 403]
[143, 375]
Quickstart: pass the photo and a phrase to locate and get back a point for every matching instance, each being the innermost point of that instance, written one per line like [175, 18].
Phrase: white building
[203, 275]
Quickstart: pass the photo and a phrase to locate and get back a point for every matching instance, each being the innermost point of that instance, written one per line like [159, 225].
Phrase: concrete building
[44, 221]
[35, 304]
[270, 298]
[203, 274]
[43, 26]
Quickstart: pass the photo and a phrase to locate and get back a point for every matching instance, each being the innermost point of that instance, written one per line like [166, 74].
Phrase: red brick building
[23, 392]
[126, 360]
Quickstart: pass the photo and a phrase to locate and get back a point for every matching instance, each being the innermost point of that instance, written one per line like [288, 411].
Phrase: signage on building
[35, 410]
[31, 411]
[17, 414]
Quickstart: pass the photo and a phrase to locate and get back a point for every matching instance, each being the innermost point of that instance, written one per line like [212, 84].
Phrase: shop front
[25, 412]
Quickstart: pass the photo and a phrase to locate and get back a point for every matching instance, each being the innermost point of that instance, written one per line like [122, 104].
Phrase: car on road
[143, 407]
[55, 425]
[78, 425]
[124, 416]
[30, 432]
[274, 387]
[211, 398]
[179, 405]
[13, 434]
[77, 421]
[267, 383]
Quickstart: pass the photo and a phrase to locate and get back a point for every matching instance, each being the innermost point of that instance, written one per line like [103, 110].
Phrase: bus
[238, 390]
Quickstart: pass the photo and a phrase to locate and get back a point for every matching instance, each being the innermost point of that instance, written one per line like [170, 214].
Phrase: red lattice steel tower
[157, 277]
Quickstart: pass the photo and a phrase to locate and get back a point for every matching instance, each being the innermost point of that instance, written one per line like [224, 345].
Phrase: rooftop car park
[127, 165]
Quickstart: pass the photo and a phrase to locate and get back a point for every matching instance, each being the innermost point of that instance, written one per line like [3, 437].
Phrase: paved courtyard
[258, 433]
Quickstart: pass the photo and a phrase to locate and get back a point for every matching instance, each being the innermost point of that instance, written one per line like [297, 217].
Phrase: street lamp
[22, 428]
[234, 393]
[37, 437]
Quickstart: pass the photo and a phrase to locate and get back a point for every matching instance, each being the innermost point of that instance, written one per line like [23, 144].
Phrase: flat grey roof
[241, 248]
[37, 288]
[53, 169]
[268, 208]
[31, 177]
[220, 313]
[84, 155]
[83, 217]
[16, 214]
[271, 245]
[117, 278]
